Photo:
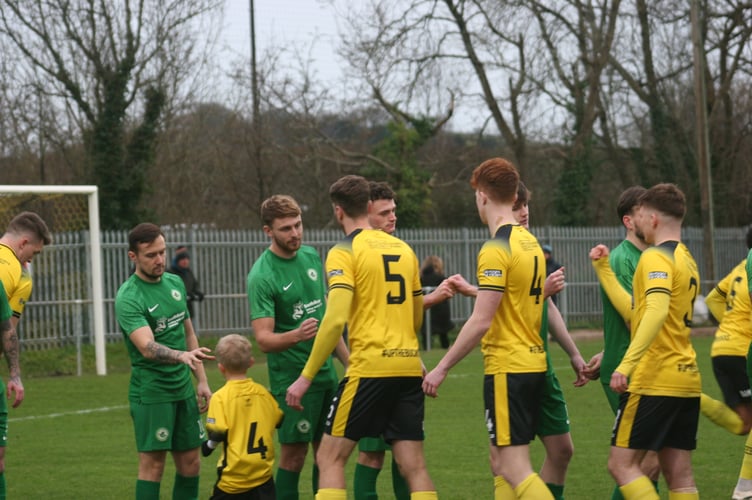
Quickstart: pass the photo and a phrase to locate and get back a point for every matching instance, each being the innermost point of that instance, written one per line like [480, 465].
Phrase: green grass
[59, 448]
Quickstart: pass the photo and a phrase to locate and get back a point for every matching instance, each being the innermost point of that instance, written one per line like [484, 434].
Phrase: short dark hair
[351, 193]
[30, 223]
[278, 206]
[381, 191]
[667, 198]
[523, 196]
[146, 232]
[628, 200]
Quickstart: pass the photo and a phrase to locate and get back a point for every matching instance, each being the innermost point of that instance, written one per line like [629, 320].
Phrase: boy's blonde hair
[233, 351]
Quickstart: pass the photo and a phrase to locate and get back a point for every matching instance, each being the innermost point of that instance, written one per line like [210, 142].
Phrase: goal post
[96, 277]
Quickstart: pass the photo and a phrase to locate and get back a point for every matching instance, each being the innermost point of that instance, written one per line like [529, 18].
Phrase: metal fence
[60, 312]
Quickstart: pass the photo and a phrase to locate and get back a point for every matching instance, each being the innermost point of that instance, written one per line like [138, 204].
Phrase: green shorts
[373, 444]
[174, 426]
[305, 426]
[3, 416]
[554, 418]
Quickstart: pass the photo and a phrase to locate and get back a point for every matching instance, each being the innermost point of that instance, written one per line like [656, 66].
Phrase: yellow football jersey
[16, 280]
[668, 367]
[513, 263]
[383, 273]
[735, 330]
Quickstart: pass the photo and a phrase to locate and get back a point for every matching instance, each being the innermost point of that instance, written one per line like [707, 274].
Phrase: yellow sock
[746, 471]
[532, 487]
[503, 490]
[720, 414]
[424, 495]
[672, 495]
[331, 494]
[639, 489]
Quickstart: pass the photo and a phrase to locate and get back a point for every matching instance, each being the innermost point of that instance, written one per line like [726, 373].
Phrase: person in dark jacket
[181, 265]
[432, 275]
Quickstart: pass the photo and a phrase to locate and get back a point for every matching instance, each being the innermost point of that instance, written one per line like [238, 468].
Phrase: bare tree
[102, 63]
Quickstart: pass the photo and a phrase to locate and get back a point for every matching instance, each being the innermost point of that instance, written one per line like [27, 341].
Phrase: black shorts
[265, 491]
[656, 422]
[512, 404]
[731, 374]
[391, 407]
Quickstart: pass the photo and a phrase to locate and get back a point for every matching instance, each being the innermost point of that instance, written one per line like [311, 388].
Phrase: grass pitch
[73, 437]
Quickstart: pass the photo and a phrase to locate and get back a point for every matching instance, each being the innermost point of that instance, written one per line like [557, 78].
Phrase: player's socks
[720, 414]
[616, 495]
[331, 494]
[147, 490]
[185, 488]
[746, 471]
[399, 484]
[424, 495]
[639, 489]
[364, 484]
[2, 485]
[672, 495]
[534, 488]
[315, 478]
[557, 490]
[503, 490]
[286, 484]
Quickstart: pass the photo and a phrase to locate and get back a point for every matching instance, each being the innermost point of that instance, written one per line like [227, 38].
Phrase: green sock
[147, 490]
[315, 478]
[364, 484]
[185, 488]
[401, 490]
[286, 484]
[616, 495]
[557, 490]
[2, 485]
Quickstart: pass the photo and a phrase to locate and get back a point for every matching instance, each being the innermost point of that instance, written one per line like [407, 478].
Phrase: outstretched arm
[558, 329]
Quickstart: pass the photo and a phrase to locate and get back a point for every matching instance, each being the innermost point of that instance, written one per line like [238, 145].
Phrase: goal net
[66, 306]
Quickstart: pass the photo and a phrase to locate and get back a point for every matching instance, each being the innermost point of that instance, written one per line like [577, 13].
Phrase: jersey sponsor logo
[657, 275]
[287, 286]
[399, 353]
[297, 310]
[304, 426]
[492, 273]
[153, 308]
[176, 295]
[162, 434]
[161, 325]
[335, 272]
[313, 274]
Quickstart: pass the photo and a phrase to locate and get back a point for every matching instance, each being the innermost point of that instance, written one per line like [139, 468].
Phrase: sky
[280, 22]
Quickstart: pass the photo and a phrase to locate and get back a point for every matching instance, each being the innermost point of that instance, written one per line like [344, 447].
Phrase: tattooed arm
[143, 339]
[11, 350]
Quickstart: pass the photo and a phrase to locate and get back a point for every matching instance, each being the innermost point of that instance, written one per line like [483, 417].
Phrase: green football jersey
[162, 307]
[5, 310]
[290, 291]
[623, 260]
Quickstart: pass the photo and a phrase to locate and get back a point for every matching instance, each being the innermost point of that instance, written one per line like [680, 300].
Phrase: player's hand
[307, 329]
[578, 365]
[203, 396]
[195, 358]
[296, 391]
[593, 367]
[598, 252]
[432, 381]
[554, 283]
[16, 388]
[461, 285]
[444, 291]
[619, 382]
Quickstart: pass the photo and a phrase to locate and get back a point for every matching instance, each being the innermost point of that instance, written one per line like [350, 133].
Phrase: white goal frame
[97, 287]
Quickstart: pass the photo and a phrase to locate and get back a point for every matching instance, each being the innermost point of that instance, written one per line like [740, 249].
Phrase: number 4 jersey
[512, 262]
[669, 365]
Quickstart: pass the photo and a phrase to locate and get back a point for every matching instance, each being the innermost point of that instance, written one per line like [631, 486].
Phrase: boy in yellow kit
[242, 416]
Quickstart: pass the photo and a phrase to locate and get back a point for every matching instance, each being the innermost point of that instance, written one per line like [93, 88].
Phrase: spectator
[432, 275]
[181, 265]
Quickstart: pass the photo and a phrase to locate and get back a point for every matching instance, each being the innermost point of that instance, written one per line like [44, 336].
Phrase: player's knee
[292, 458]
[562, 455]
[372, 459]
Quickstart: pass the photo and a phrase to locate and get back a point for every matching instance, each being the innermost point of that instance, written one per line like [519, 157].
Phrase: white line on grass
[66, 413]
